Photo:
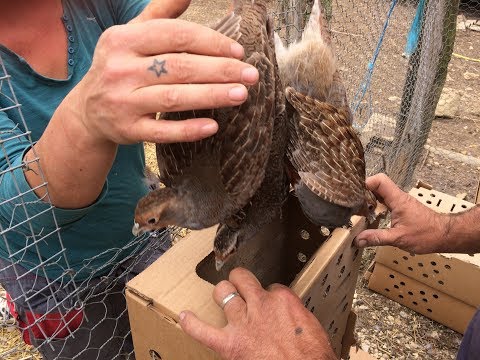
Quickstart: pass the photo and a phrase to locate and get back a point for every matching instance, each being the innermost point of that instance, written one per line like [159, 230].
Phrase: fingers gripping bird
[325, 158]
[214, 180]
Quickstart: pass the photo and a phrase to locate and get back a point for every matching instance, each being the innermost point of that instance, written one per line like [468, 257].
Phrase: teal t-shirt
[85, 242]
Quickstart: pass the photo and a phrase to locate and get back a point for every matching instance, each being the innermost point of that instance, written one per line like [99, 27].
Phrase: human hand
[262, 324]
[159, 65]
[414, 227]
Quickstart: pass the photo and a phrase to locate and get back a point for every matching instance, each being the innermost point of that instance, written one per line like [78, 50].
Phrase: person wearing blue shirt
[90, 76]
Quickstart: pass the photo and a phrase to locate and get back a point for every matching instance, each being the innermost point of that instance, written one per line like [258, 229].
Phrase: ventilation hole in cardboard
[412, 254]
[335, 331]
[429, 310]
[355, 254]
[420, 194]
[392, 276]
[324, 280]
[441, 282]
[415, 303]
[453, 207]
[410, 268]
[420, 264]
[439, 202]
[387, 289]
[472, 255]
[410, 293]
[302, 257]
[312, 309]
[436, 271]
[308, 301]
[433, 263]
[428, 202]
[342, 270]
[400, 296]
[154, 355]
[348, 275]
[402, 283]
[424, 300]
[422, 292]
[464, 206]
[432, 195]
[396, 286]
[405, 257]
[395, 262]
[425, 275]
[339, 259]
[448, 267]
[304, 234]
[327, 290]
[345, 307]
[331, 325]
[435, 296]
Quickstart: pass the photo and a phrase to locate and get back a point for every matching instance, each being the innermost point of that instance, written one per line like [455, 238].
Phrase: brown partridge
[326, 164]
[208, 181]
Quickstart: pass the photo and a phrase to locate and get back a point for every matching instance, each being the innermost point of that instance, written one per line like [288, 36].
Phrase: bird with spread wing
[236, 177]
[325, 158]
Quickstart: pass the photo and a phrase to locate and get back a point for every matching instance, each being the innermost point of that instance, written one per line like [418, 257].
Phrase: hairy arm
[462, 231]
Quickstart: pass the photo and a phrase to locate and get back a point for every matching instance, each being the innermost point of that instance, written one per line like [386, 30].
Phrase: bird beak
[136, 230]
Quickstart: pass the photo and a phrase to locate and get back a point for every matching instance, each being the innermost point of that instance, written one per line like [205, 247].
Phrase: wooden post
[423, 86]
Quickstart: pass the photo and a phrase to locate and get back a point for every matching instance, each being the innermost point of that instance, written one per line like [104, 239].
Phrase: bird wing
[325, 150]
[249, 127]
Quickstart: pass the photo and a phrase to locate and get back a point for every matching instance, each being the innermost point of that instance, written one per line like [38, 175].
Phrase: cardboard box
[443, 287]
[323, 276]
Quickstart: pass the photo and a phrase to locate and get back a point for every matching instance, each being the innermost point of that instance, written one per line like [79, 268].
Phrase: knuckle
[230, 71]
[111, 36]
[170, 99]
[182, 67]
[182, 38]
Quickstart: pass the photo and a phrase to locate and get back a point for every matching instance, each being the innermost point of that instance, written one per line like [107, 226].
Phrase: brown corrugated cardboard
[434, 304]
[184, 278]
[452, 279]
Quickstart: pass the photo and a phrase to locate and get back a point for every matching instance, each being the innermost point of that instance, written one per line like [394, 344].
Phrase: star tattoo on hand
[158, 67]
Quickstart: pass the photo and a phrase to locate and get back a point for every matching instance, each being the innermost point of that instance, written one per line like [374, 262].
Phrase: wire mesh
[393, 90]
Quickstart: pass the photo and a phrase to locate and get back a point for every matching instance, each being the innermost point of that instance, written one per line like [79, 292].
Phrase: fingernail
[250, 75]
[210, 128]
[237, 50]
[182, 316]
[238, 93]
[361, 243]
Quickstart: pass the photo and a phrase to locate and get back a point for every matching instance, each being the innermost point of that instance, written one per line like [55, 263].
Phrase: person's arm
[138, 69]
[418, 229]
[262, 324]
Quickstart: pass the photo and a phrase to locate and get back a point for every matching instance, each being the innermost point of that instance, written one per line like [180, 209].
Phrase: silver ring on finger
[229, 297]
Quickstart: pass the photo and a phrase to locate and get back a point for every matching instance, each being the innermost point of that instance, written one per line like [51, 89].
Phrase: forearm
[74, 163]
[462, 234]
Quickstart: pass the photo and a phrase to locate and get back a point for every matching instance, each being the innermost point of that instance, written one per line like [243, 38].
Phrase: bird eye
[152, 221]
[370, 207]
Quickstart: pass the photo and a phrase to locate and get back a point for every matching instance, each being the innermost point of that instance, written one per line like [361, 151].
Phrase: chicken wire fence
[386, 50]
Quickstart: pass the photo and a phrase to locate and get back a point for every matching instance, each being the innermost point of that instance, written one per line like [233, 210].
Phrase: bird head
[226, 244]
[156, 210]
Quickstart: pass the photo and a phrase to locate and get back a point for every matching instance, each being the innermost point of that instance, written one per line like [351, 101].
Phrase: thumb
[201, 331]
[160, 9]
[376, 237]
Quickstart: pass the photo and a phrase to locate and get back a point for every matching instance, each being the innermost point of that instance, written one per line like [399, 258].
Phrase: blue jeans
[79, 321]
[470, 346]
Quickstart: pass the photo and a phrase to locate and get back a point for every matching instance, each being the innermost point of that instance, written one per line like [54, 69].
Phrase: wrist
[462, 231]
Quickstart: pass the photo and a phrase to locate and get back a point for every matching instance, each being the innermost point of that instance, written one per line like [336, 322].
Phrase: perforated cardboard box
[322, 271]
[443, 287]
